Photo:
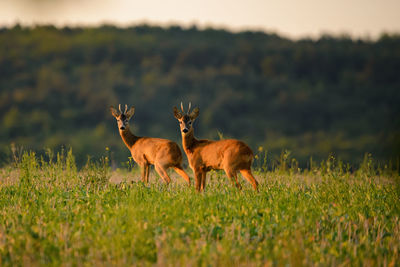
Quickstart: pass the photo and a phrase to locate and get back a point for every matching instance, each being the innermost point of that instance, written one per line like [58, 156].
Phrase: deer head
[186, 119]
[122, 117]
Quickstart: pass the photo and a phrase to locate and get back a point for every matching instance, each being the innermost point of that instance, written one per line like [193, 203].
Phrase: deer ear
[130, 112]
[194, 114]
[114, 112]
[177, 113]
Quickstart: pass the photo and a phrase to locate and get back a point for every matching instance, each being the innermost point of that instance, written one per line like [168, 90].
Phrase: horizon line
[205, 26]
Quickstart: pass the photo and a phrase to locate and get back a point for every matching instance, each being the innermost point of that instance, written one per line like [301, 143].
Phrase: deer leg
[203, 181]
[143, 172]
[147, 173]
[198, 179]
[164, 175]
[233, 177]
[179, 170]
[249, 177]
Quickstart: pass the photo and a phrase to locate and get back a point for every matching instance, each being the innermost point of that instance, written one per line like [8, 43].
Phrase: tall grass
[51, 213]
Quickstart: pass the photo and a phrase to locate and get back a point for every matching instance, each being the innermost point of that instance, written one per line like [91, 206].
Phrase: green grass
[53, 214]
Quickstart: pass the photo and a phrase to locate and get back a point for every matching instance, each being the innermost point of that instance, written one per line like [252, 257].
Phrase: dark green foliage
[312, 97]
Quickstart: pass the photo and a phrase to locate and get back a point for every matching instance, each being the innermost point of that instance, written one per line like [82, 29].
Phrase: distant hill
[312, 97]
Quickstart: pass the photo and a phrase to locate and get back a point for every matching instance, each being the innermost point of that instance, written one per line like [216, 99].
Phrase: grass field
[53, 214]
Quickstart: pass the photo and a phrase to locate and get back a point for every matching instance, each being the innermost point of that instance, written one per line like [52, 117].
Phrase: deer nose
[185, 130]
[122, 127]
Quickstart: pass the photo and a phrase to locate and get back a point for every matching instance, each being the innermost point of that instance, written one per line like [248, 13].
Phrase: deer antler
[183, 111]
[119, 107]
[182, 107]
[126, 108]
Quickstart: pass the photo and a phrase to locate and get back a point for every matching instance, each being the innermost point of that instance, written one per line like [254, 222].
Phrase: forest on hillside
[313, 97]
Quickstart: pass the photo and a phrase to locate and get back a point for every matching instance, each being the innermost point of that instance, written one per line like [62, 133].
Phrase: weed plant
[53, 214]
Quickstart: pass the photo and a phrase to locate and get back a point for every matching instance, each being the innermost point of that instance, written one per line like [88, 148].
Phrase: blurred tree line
[314, 97]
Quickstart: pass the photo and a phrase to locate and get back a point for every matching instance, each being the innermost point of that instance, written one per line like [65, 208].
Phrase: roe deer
[230, 155]
[162, 153]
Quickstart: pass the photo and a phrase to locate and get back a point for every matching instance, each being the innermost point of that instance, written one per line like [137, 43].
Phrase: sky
[291, 18]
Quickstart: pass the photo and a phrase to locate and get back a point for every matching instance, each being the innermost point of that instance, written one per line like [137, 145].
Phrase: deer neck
[189, 141]
[128, 137]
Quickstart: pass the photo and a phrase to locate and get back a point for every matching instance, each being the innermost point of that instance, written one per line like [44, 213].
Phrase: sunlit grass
[53, 213]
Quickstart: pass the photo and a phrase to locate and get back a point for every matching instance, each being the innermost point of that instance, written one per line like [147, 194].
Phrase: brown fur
[146, 151]
[230, 155]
